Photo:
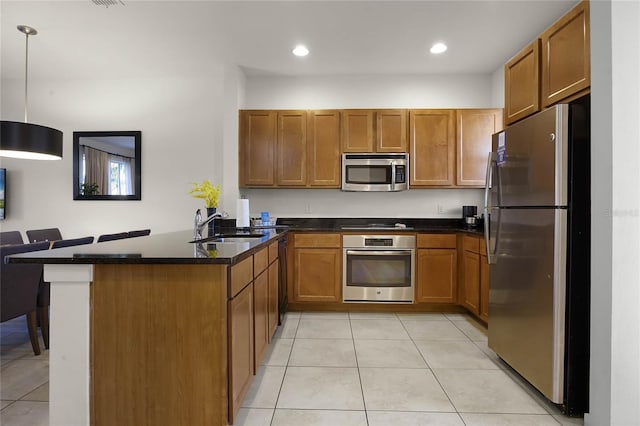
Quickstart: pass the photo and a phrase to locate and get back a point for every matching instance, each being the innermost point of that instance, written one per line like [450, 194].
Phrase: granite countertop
[412, 225]
[167, 248]
[175, 247]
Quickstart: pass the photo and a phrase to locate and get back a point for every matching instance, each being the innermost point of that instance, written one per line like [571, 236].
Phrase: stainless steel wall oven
[378, 268]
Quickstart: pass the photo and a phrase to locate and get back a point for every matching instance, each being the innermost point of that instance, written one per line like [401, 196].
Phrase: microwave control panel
[401, 175]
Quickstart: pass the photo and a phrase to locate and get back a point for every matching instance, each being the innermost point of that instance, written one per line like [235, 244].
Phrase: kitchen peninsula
[160, 331]
[144, 330]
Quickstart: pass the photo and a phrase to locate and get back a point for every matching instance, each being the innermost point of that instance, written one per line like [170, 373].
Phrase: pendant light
[25, 140]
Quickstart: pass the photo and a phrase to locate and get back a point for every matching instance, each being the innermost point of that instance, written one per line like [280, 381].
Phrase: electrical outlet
[440, 209]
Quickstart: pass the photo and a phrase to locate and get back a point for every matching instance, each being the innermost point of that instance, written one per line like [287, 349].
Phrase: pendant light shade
[30, 141]
[25, 140]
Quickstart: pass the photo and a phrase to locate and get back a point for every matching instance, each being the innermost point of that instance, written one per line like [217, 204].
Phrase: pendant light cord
[26, 79]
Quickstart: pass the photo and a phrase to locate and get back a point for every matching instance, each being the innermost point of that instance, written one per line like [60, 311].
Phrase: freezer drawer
[527, 296]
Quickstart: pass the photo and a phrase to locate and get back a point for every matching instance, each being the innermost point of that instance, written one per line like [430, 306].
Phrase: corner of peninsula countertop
[164, 248]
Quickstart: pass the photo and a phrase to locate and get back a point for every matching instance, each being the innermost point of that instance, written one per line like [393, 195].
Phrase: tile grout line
[432, 372]
[355, 354]
[286, 367]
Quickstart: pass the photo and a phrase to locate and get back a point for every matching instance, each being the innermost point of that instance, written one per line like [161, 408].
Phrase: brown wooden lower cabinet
[471, 280]
[241, 360]
[274, 277]
[436, 268]
[261, 317]
[475, 277]
[317, 275]
[317, 271]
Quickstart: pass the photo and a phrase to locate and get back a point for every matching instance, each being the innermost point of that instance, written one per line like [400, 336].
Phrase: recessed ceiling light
[438, 48]
[300, 50]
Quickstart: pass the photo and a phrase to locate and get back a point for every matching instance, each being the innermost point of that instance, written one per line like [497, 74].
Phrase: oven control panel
[378, 242]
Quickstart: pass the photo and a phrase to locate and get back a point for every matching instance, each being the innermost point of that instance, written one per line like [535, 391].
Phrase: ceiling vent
[108, 3]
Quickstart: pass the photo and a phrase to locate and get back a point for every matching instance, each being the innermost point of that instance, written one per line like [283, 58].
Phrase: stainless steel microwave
[375, 172]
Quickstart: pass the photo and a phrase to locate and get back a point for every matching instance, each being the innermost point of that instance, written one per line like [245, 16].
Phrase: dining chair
[139, 233]
[19, 283]
[110, 237]
[48, 234]
[10, 238]
[72, 242]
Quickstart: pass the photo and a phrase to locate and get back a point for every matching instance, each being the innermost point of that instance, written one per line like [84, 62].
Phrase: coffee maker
[469, 216]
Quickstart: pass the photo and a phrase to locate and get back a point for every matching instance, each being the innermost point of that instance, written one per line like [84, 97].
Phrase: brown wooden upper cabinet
[522, 84]
[432, 136]
[291, 148]
[323, 149]
[257, 148]
[374, 130]
[566, 56]
[391, 135]
[554, 68]
[357, 130]
[474, 128]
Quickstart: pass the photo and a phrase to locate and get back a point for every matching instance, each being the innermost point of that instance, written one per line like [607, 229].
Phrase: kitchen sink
[230, 238]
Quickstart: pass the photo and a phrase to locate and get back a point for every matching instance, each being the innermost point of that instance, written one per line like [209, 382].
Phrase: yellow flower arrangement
[208, 192]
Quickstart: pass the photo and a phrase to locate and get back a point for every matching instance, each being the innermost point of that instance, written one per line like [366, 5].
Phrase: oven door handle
[380, 252]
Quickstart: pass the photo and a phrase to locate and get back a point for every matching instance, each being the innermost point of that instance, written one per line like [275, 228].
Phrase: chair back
[72, 242]
[139, 233]
[49, 234]
[10, 238]
[19, 281]
[110, 237]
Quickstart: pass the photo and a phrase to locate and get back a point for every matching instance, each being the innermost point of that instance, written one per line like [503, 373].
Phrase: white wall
[615, 293]
[181, 122]
[369, 91]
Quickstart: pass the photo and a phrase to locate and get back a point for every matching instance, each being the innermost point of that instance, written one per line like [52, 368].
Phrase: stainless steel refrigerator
[537, 225]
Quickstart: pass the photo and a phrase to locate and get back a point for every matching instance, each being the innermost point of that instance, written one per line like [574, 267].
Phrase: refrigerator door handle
[487, 214]
[488, 180]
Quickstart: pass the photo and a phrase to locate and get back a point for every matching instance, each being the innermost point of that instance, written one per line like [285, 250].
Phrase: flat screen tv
[3, 193]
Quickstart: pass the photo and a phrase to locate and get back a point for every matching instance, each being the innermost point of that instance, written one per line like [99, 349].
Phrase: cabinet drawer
[436, 241]
[273, 252]
[471, 244]
[260, 261]
[241, 275]
[318, 240]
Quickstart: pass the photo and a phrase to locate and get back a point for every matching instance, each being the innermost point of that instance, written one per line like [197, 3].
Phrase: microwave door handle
[393, 175]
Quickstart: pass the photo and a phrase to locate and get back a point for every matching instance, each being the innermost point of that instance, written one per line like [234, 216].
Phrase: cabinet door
[240, 348]
[471, 273]
[391, 134]
[257, 148]
[323, 149]
[484, 288]
[474, 130]
[291, 148]
[274, 276]
[317, 275]
[436, 275]
[566, 56]
[432, 147]
[357, 130]
[522, 84]
[260, 318]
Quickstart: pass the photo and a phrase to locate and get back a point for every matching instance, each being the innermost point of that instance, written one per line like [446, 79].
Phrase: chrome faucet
[199, 224]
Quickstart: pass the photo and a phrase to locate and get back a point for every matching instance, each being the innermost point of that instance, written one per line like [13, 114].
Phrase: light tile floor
[339, 369]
